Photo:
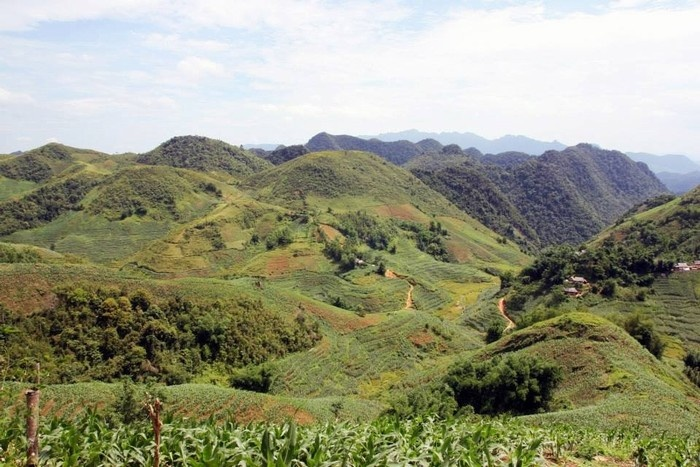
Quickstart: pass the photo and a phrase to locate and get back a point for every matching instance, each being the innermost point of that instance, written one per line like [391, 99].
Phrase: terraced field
[679, 301]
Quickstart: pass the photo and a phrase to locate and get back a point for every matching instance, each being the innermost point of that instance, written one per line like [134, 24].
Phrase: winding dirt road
[502, 310]
[409, 296]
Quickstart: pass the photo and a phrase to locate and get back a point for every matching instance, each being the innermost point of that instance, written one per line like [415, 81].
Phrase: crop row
[92, 441]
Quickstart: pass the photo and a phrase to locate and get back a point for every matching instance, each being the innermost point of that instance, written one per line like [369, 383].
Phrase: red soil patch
[406, 212]
[459, 251]
[252, 413]
[342, 322]
[330, 232]
[25, 292]
[422, 338]
[301, 417]
[285, 262]
[277, 265]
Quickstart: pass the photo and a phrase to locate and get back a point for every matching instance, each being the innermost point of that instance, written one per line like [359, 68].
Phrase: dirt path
[502, 310]
[409, 296]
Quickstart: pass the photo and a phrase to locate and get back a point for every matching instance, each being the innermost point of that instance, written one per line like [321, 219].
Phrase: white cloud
[26, 14]
[193, 69]
[626, 72]
[9, 97]
[176, 43]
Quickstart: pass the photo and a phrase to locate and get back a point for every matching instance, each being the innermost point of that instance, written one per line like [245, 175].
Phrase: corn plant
[93, 440]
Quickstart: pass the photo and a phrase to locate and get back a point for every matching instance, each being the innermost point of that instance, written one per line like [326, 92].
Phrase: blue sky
[125, 75]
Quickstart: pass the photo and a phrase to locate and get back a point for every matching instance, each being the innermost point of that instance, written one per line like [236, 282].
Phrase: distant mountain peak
[507, 143]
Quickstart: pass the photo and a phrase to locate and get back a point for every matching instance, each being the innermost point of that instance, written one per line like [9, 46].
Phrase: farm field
[90, 440]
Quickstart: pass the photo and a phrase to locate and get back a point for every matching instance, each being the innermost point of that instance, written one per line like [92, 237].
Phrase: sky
[126, 75]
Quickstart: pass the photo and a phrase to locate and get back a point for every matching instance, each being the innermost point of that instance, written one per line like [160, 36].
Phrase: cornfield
[92, 440]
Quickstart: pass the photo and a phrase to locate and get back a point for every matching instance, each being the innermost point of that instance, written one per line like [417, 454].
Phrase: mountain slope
[679, 183]
[39, 165]
[397, 152]
[565, 196]
[673, 225]
[337, 175]
[204, 155]
[669, 163]
[609, 378]
[468, 186]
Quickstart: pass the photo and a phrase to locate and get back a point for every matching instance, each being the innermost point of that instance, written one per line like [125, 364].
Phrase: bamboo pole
[32, 396]
[154, 415]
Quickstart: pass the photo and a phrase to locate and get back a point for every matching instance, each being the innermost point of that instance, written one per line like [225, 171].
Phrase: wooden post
[32, 396]
[154, 415]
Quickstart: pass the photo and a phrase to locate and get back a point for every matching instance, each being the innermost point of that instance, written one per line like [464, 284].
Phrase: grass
[610, 381]
[193, 401]
[10, 188]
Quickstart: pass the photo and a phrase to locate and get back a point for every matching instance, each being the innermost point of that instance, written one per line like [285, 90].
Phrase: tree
[645, 333]
[513, 384]
[494, 332]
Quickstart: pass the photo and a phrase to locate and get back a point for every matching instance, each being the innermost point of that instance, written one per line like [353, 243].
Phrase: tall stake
[33, 422]
[154, 415]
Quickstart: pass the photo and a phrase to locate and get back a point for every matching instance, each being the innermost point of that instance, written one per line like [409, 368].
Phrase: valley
[350, 282]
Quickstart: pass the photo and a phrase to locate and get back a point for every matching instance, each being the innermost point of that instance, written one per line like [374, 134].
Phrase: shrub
[433, 399]
[643, 331]
[512, 384]
[494, 332]
[256, 378]
[692, 367]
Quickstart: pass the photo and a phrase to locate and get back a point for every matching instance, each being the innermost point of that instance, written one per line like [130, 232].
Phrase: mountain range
[342, 283]
[470, 140]
[560, 196]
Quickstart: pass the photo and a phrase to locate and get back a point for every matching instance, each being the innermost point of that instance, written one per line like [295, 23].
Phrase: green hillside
[204, 155]
[560, 197]
[332, 179]
[105, 218]
[629, 273]
[610, 381]
[39, 165]
[343, 286]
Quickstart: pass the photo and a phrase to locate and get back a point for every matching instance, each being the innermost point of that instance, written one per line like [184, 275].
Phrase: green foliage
[430, 240]
[469, 187]
[435, 399]
[37, 165]
[645, 333]
[252, 378]
[44, 204]
[692, 367]
[324, 178]
[281, 236]
[105, 334]
[204, 155]
[365, 228]
[11, 254]
[512, 384]
[148, 190]
[494, 332]
[561, 197]
[127, 407]
[92, 441]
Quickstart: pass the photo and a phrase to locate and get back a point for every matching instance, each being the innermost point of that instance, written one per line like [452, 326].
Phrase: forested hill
[204, 155]
[568, 196]
[561, 196]
[398, 152]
